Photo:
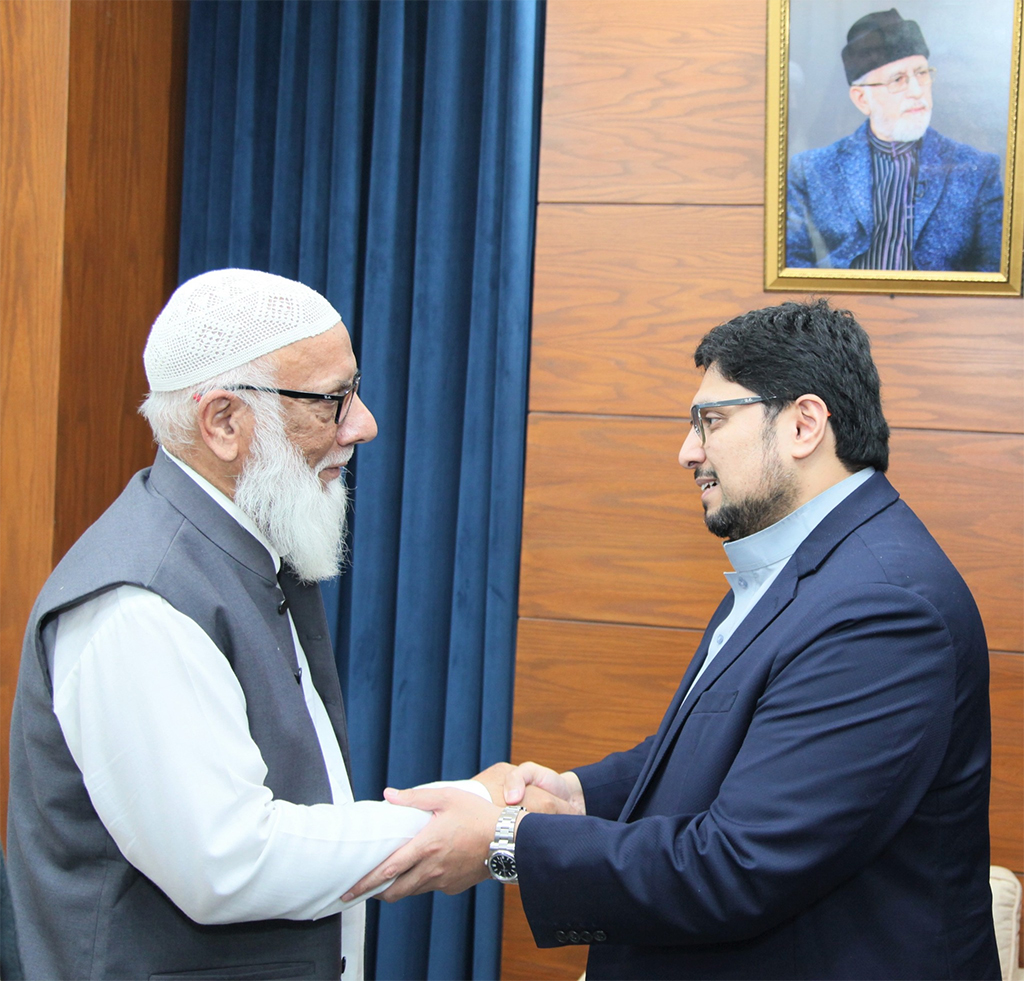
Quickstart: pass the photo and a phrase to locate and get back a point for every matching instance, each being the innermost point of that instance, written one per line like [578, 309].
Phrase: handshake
[450, 853]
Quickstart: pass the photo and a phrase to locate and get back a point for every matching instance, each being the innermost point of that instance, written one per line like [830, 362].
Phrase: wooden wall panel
[125, 142]
[650, 232]
[1006, 814]
[612, 526]
[981, 528]
[655, 101]
[92, 112]
[33, 118]
[624, 293]
[588, 689]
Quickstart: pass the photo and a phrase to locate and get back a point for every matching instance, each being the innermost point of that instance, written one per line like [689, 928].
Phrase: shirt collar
[228, 505]
[779, 541]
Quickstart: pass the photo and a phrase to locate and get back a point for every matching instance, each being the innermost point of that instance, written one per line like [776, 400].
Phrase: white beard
[300, 516]
[908, 130]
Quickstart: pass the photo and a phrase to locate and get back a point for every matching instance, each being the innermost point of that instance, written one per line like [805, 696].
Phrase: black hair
[799, 349]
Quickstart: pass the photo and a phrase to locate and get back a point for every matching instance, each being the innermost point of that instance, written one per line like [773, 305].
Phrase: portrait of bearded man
[895, 194]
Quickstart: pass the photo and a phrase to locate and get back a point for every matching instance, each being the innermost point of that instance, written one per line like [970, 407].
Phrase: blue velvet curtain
[385, 154]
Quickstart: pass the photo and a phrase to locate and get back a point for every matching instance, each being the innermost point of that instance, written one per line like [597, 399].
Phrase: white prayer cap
[223, 319]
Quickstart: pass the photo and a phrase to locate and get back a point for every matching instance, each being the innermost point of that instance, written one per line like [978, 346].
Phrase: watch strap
[505, 829]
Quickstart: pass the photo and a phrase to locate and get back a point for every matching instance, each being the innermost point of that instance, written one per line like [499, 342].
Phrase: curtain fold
[385, 154]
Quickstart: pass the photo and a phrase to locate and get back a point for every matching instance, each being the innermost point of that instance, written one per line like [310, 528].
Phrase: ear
[225, 424]
[809, 425]
[860, 99]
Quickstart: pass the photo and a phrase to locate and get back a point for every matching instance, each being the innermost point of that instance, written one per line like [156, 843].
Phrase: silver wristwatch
[501, 858]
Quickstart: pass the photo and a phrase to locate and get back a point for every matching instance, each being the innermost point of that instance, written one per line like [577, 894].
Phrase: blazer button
[574, 937]
[560, 936]
[585, 936]
[600, 936]
[343, 965]
[282, 606]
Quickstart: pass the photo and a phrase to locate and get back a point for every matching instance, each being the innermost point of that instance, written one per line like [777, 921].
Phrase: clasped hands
[449, 853]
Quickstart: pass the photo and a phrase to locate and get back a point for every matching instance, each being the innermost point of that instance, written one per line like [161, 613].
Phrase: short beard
[909, 130]
[748, 517]
[301, 517]
[774, 499]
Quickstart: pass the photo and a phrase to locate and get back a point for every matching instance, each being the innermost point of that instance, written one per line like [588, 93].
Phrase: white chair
[1006, 903]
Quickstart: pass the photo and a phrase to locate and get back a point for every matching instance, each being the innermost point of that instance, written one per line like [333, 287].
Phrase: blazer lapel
[672, 712]
[778, 597]
[770, 605]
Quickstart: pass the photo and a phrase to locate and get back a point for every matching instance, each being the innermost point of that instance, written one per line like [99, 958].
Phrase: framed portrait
[895, 149]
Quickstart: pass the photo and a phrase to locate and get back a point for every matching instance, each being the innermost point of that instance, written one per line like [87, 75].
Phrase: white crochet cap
[223, 319]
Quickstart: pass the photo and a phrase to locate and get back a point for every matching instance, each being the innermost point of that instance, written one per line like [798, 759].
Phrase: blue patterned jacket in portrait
[958, 213]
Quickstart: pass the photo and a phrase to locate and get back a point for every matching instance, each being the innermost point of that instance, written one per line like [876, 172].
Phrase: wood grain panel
[612, 526]
[584, 690]
[1006, 816]
[125, 139]
[33, 117]
[624, 293]
[613, 532]
[979, 523]
[92, 111]
[653, 100]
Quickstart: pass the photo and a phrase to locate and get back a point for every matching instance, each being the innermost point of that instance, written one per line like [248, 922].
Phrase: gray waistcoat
[83, 911]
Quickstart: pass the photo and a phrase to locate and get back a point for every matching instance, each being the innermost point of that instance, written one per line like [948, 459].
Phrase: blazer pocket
[715, 701]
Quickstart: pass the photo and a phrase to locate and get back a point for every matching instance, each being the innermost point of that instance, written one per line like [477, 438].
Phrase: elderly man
[815, 801]
[180, 801]
[895, 194]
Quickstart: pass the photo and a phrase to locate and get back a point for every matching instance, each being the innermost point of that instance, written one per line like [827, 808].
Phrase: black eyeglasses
[342, 401]
[698, 420]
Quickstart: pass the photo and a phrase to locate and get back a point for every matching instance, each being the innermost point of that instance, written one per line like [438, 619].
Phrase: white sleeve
[155, 719]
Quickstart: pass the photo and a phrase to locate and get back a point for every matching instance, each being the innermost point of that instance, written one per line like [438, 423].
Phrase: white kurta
[155, 719]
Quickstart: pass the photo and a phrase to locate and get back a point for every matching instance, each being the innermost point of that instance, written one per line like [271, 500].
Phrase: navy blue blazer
[958, 214]
[817, 806]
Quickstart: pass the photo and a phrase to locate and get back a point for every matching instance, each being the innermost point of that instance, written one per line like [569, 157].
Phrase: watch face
[502, 866]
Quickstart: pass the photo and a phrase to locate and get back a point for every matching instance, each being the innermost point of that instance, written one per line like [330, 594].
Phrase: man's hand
[540, 788]
[537, 788]
[448, 854]
[493, 778]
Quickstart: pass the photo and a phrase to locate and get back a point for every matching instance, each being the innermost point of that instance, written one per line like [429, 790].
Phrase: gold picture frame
[809, 103]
